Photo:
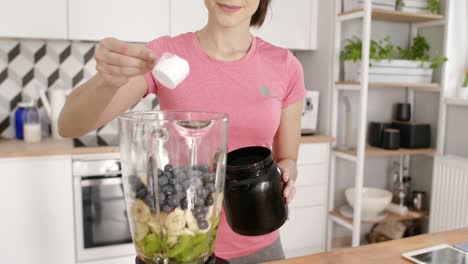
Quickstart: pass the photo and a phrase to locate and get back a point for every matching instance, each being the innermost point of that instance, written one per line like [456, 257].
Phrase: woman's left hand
[289, 173]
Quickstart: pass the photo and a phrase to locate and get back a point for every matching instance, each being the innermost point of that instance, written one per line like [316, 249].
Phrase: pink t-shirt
[252, 91]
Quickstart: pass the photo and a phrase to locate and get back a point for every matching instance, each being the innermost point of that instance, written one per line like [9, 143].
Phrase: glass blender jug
[173, 167]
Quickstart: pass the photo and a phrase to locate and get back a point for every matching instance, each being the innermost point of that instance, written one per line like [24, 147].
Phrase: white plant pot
[401, 71]
[416, 4]
[415, 10]
[350, 5]
[463, 92]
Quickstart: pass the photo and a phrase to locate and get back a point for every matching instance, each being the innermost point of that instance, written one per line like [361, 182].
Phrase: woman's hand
[289, 173]
[117, 61]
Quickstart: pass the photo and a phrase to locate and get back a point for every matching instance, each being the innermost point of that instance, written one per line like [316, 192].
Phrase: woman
[258, 85]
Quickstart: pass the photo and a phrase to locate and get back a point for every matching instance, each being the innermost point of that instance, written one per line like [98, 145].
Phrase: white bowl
[374, 200]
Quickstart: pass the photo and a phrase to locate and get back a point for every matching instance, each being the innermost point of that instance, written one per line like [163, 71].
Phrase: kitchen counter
[382, 253]
[49, 146]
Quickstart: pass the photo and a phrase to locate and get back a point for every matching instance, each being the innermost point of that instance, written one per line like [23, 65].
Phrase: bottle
[19, 120]
[31, 124]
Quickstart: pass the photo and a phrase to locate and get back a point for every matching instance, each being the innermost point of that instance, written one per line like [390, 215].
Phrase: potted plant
[350, 5]
[463, 91]
[415, 65]
[419, 6]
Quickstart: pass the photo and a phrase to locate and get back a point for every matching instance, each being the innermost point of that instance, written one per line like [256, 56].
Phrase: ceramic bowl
[374, 200]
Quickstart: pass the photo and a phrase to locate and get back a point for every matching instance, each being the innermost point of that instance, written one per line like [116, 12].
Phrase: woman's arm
[286, 146]
[117, 86]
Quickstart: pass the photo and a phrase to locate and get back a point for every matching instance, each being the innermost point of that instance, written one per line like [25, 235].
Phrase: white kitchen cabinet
[33, 19]
[37, 211]
[304, 232]
[187, 16]
[291, 24]
[135, 21]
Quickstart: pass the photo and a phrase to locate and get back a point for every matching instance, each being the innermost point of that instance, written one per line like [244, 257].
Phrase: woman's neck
[228, 44]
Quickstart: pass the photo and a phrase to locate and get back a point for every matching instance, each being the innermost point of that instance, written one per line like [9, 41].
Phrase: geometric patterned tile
[83, 51]
[9, 92]
[21, 70]
[27, 64]
[46, 71]
[31, 92]
[9, 49]
[71, 71]
[34, 50]
[58, 50]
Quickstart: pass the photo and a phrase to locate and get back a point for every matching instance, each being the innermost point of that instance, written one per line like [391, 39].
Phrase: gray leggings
[270, 253]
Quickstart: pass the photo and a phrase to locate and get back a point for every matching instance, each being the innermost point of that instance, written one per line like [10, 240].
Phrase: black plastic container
[253, 196]
[391, 139]
[376, 131]
[403, 112]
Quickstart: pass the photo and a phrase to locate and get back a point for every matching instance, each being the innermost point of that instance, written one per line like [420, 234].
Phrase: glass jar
[173, 167]
[31, 124]
[19, 118]
[254, 199]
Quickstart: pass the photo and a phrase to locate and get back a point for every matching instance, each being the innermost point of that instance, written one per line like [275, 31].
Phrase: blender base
[212, 260]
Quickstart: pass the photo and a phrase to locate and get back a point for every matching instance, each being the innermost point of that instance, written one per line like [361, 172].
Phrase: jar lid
[248, 162]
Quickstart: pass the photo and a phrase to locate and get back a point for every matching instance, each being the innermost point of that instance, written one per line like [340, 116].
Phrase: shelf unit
[362, 151]
[410, 215]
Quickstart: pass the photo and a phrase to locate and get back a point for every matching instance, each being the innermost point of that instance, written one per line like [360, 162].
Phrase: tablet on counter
[440, 254]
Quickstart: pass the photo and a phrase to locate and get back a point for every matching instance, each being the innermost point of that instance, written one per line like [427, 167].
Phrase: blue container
[19, 119]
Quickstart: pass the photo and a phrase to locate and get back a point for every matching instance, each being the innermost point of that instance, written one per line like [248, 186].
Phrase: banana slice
[175, 221]
[141, 229]
[144, 180]
[154, 225]
[210, 212]
[172, 240]
[141, 211]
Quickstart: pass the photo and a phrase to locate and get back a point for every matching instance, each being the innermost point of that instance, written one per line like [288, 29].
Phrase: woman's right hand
[118, 61]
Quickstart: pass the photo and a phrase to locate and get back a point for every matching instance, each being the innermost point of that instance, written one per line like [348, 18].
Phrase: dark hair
[259, 17]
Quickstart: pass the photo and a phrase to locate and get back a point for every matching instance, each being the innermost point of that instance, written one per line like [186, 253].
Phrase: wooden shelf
[379, 152]
[428, 86]
[397, 16]
[411, 215]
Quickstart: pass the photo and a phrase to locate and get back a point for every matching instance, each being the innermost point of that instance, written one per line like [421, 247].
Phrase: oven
[101, 224]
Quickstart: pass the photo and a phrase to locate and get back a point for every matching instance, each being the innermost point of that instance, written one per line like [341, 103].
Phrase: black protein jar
[253, 197]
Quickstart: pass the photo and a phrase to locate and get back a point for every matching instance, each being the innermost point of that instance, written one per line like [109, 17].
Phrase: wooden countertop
[49, 146]
[382, 253]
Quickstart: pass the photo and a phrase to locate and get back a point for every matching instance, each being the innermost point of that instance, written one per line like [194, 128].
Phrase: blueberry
[197, 210]
[167, 208]
[210, 187]
[172, 181]
[160, 172]
[184, 204]
[173, 200]
[204, 210]
[196, 174]
[178, 187]
[204, 167]
[162, 198]
[169, 174]
[163, 180]
[141, 193]
[209, 200]
[209, 178]
[200, 217]
[182, 195]
[168, 168]
[203, 224]
[205, 192]
[199, 201]
[167, 189]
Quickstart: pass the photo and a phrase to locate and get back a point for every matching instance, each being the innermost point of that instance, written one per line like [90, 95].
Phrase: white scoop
[171, 70]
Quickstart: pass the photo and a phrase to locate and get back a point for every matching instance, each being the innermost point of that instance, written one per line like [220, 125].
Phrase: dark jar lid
[248, 162]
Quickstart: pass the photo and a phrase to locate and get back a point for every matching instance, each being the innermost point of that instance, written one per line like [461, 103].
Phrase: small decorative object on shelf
[414, 66]
[463, 91]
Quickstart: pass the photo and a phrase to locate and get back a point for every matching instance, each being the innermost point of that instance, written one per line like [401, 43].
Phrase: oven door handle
[101, 182]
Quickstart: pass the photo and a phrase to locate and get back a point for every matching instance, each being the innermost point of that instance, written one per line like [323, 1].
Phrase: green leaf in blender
[151, 244]
[184, 241]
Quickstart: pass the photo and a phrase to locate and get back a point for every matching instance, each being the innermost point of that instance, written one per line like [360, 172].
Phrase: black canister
[403, 112]
[391, 139]
[253, 197]
[376, 131]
